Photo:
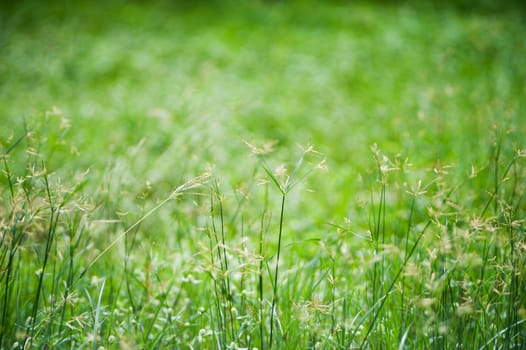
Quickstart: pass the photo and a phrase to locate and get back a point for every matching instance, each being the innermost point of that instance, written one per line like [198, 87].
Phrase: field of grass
[262, 174]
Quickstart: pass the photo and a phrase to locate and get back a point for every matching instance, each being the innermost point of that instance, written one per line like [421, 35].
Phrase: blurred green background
[430, 81]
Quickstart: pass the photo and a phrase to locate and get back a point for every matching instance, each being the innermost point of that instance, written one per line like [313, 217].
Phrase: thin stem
[275, 287]
[53, 220]
[402, 296]
[260, 272]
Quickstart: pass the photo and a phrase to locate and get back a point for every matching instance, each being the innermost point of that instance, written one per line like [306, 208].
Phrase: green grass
[265, 174]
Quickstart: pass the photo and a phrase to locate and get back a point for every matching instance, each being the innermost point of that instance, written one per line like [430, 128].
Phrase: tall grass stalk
[403, 334]
[224, 299]
[284, 188]
[52, 226]
[261, 302]
[276, 270]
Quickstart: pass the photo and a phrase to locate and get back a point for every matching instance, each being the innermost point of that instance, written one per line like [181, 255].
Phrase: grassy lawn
[262, 174]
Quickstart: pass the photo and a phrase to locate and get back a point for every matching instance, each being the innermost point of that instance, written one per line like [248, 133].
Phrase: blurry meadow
[262, 174]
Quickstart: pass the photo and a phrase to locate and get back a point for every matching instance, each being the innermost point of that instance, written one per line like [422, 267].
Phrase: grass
[159, 188]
